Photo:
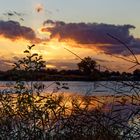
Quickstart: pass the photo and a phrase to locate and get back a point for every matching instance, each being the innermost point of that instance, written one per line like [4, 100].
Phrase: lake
[82, 88]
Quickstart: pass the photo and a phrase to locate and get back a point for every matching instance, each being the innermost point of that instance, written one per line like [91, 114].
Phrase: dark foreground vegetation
[30, 114]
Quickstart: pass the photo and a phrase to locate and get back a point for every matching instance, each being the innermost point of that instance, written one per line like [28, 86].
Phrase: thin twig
[73, 53]
[135, 61]
[125, 46]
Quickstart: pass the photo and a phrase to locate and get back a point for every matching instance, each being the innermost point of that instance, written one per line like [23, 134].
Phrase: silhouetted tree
[136, 74]
[87, 65]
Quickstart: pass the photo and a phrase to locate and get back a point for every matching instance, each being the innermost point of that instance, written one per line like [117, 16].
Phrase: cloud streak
[5, 64]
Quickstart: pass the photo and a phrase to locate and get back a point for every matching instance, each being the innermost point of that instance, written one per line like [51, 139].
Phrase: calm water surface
[90, 88]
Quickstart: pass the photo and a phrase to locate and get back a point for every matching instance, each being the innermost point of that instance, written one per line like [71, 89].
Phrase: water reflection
[81, 88]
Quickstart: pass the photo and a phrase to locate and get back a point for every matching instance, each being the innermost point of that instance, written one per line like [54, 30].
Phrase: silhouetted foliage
[87, 65]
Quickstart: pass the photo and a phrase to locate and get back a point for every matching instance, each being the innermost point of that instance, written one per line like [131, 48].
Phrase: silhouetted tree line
[69, 75]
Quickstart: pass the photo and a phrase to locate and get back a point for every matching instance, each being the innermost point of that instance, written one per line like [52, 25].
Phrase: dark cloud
[9, 14]
[94, 33]
[62, 64]
[14, 14]
[39, 7]
[13, 30]
[134, 45]
[48, 22]
[90, 33]
[101, 60]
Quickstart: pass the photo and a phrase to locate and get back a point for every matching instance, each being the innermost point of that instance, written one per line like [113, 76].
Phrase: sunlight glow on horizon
[33, 13]
[53, 52]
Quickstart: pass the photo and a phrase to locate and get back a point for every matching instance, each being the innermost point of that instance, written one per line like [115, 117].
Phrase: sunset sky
[78, 25]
